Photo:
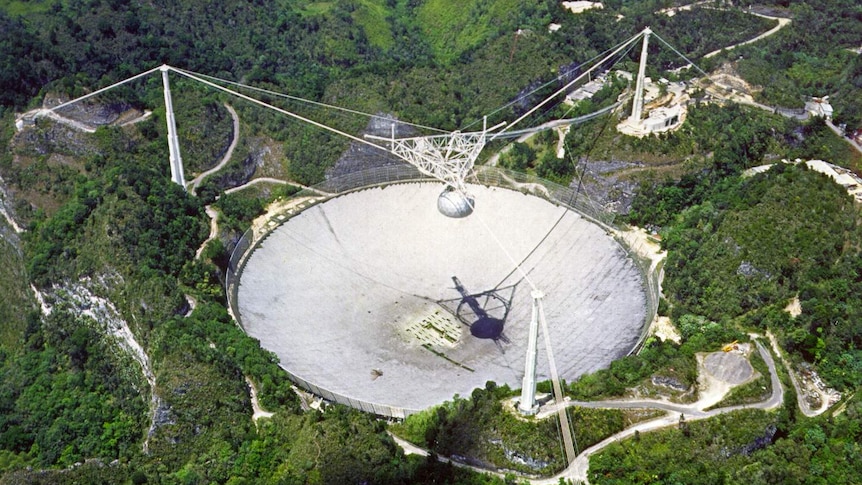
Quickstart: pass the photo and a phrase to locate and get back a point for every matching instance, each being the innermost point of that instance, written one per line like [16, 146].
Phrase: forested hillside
[119, 362]
[817, 57]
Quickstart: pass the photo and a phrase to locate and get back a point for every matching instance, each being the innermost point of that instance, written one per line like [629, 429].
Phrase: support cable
[535, 248]
[558, 391]
[680, 54]
[564, 88]
[631, 46]
[517, 266]
[307, 101]
[280, 110]
[98, 91]
[552, 81]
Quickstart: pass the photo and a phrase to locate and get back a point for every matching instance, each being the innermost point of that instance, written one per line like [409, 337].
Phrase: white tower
[173, 142]
[528, 405]
[528, 387]
[638, 105]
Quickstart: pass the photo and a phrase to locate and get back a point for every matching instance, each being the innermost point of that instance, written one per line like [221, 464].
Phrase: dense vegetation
[746, 446]
[345, 53]
[759, 244]
[718, 146]
[101, 215]
[738, 257]
[67, 396]
[481, 429]
[812, 58]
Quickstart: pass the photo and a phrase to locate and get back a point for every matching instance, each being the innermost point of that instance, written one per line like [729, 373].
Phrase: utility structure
[448, 158]
[638, 104]
[528, 405]
[668, 113]
[176, 160]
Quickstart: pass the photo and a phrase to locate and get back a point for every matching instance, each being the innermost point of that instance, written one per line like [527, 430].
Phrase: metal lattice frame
[449, 158]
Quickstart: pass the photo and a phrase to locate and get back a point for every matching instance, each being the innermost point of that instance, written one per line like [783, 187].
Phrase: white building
[663, 119]
[578, 7]
[819, 107]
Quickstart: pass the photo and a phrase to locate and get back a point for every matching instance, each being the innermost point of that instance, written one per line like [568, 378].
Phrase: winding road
[782, 21]
[577, 470]
[193, 185]
[840, 133]
[270, 180]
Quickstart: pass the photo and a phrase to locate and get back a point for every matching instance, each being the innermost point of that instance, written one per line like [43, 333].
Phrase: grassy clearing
[21, 8]
[317, 8]
[455, 26]
[372, 17]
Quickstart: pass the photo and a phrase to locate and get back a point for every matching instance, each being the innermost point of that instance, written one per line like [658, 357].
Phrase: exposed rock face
[51, 137]
[669, 382]
[746, 268]
[80, 299]
[525, 460]
[236, 174]
[88, 113]
[760, 442]
[524, 101]
[95, 114]
[360, 156]
[162, 416]
[569, 72]
[10, 232]
[605, 184]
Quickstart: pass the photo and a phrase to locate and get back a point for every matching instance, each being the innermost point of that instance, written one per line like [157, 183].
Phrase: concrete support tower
[638, 104]
[528, 387]
[173, 142]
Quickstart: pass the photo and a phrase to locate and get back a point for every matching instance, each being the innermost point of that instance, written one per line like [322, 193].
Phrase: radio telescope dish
[350, 294]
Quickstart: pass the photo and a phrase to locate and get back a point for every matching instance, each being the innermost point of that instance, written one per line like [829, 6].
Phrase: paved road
[193, 185]
[577, 470]
[66, 121]
[841, 134]
[693, 409]
[272, 181]
[145, 116]
[409, 448]
[781, 23]
[804, 407]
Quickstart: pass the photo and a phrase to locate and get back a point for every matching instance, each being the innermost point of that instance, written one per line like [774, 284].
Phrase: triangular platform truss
[448, 158]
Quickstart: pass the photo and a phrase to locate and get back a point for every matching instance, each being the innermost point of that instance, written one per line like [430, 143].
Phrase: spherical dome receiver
[453, 203]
